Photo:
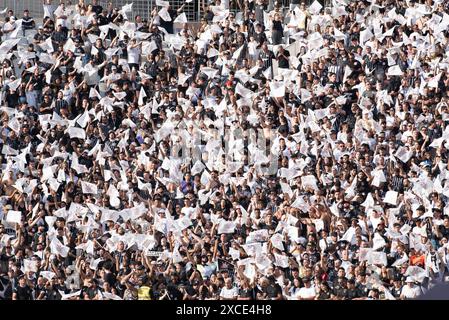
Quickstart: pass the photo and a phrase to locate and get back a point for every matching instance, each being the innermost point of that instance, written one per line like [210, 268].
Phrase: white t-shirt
[8, 27]
[225, 4]
[229, 293]
[306, 293]
[410, 293]
[133, 55]
[48, 10]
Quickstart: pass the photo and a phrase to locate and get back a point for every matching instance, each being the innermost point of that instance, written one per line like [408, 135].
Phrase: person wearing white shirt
[134, 53]
[8, 28]
[410, 290]
[228, 292]
[61, 15]
[307, 292]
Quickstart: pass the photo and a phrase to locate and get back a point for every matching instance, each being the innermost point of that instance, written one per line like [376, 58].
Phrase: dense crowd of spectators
[266, 152]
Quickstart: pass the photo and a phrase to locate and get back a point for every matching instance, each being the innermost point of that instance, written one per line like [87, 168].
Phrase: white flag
[163, 13]
[226, 227]
[75, 132]
[14, 216]
[182, 18]
[89, 188]
[391, 197]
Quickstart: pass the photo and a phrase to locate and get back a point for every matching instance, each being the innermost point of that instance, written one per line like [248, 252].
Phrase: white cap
[409, 279]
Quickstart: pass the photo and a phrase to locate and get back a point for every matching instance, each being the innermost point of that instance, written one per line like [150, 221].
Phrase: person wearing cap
[39, 37]
[410, 290]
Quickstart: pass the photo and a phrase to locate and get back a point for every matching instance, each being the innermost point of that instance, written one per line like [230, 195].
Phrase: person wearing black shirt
[282, 58]
[246, 292]
[40, 291]
[268, 222]
[269, 289]
[27, 21]
[259, 35]
[173, 293]
[39, 37]
[102, 18]
[274, 291]
[443, 229]
[352, 292]
[60, 36]
[397, 287]
[97, 8]
[259, 10]
[22, 291]
[277, 31]
[339, 288]
[222, 245]
[115, 17]
[324, 293]
[361, 285]
[168, 25]
[90, 292]
[250, 24]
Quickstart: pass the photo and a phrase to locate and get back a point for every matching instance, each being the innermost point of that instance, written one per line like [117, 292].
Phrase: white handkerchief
[315, 7]
[395, 71]
[210, 72]
[309, 181]
[89, 188]
[75, 132]
[127, 8]
[57, 247]
[244, 92]
[182, 18]
[47, 274]
[276, 241]
[162, 3]
[30, 265]
[391, 197]
[349, 235]
[403, 154]
[235, 254]
[197, 168]
[433, 82]
[277, 89]
[365, 35]
[286, 189]
[378, 242]
[70, 46]
[212, 52]
[119, 95]
[338, 35]
[84, 119]
[377, 258]
[14, 216]
[111, 296]
[13, 85]
[281, 260]
[163, 13]
[226, 227]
